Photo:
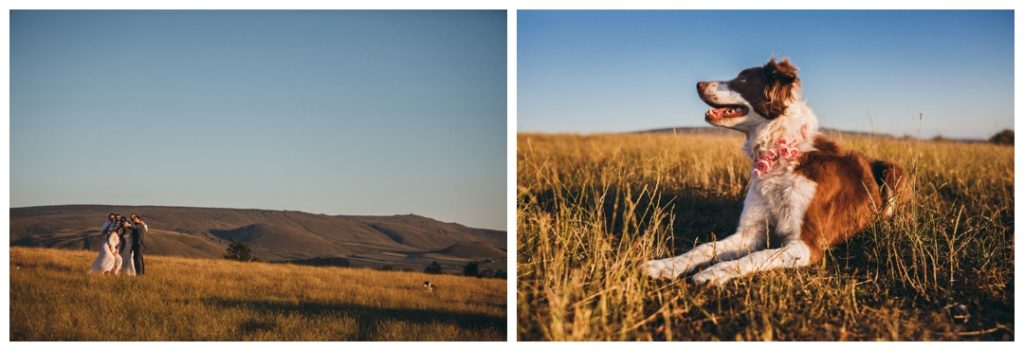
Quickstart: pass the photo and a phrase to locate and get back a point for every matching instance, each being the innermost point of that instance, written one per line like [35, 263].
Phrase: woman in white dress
[127, 263]
[108, 261]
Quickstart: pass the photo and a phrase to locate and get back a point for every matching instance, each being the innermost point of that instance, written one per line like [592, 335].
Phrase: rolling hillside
[403, 241]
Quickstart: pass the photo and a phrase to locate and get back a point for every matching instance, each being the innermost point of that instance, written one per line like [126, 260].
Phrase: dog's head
[757, 95]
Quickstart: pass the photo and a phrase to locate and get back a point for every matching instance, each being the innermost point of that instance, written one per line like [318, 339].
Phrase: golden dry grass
[591, 209]
[53, 298]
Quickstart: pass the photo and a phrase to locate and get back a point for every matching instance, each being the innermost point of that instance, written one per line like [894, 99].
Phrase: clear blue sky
[600, 71]
[336, 112]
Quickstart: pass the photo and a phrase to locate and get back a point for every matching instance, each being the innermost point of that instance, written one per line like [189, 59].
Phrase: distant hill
[827, 131]
[401, 241]
[476, 249]
[689, 130]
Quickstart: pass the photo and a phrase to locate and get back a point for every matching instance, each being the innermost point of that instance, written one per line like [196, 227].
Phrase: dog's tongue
[716, 113]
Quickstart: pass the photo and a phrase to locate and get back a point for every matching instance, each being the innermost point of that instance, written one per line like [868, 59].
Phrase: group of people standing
[121, 251]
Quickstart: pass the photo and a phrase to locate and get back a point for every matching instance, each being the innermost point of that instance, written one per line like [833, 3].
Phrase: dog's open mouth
[726, 111]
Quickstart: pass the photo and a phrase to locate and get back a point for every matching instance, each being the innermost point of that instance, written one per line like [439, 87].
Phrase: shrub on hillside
[472, 269]
[239, 251]
[1004, 137]
[433, 268]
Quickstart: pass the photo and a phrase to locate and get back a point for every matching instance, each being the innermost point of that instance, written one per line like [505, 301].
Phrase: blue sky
[336, 112]
[606, 71]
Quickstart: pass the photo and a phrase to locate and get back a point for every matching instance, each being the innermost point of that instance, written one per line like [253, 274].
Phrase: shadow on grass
[700, 214]
[368, 319]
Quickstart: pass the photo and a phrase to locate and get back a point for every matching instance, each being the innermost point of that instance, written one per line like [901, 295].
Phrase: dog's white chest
[786, 197]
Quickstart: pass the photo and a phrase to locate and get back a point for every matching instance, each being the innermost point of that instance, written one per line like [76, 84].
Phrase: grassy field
[591, 209]
[53, 298]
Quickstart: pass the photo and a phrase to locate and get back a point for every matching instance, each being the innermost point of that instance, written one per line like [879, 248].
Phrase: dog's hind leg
[749, 236]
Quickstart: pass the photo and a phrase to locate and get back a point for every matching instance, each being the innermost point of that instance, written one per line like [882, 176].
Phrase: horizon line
[709, 127]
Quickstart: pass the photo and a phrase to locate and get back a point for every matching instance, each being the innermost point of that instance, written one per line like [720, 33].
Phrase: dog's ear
[780, 89]
[783, 71]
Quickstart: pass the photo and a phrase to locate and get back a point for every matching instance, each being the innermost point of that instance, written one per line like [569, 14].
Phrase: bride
[128, 264]
[108, 261]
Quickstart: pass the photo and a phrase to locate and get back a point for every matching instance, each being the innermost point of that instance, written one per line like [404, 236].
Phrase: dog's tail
[893, 184]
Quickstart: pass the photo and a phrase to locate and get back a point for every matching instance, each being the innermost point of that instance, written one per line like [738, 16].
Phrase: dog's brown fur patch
[849, 193]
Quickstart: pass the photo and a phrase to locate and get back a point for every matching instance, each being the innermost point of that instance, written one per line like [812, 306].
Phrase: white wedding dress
[127, 263]
[108, 260]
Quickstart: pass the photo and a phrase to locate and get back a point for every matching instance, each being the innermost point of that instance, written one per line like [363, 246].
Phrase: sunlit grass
[591, 209]
[53, 298]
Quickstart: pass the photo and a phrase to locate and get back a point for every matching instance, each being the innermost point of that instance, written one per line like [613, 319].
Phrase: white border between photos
[512, 7]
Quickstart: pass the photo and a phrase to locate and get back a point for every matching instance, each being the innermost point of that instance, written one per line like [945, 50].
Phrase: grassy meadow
[591, 209]
[53, 298]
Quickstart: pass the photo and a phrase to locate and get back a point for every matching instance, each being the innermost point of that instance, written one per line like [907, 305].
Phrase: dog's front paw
[659, 269]
[713, 276]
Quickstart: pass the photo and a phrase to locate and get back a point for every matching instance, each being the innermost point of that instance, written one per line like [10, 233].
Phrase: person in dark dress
[138, 235]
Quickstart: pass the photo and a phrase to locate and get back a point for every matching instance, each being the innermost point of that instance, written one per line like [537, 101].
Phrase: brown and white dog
[811, 194]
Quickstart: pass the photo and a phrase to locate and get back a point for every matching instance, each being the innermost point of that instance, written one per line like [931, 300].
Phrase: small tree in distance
[238, 251]
[1005, 137]
[472, 269]
[433, 268]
